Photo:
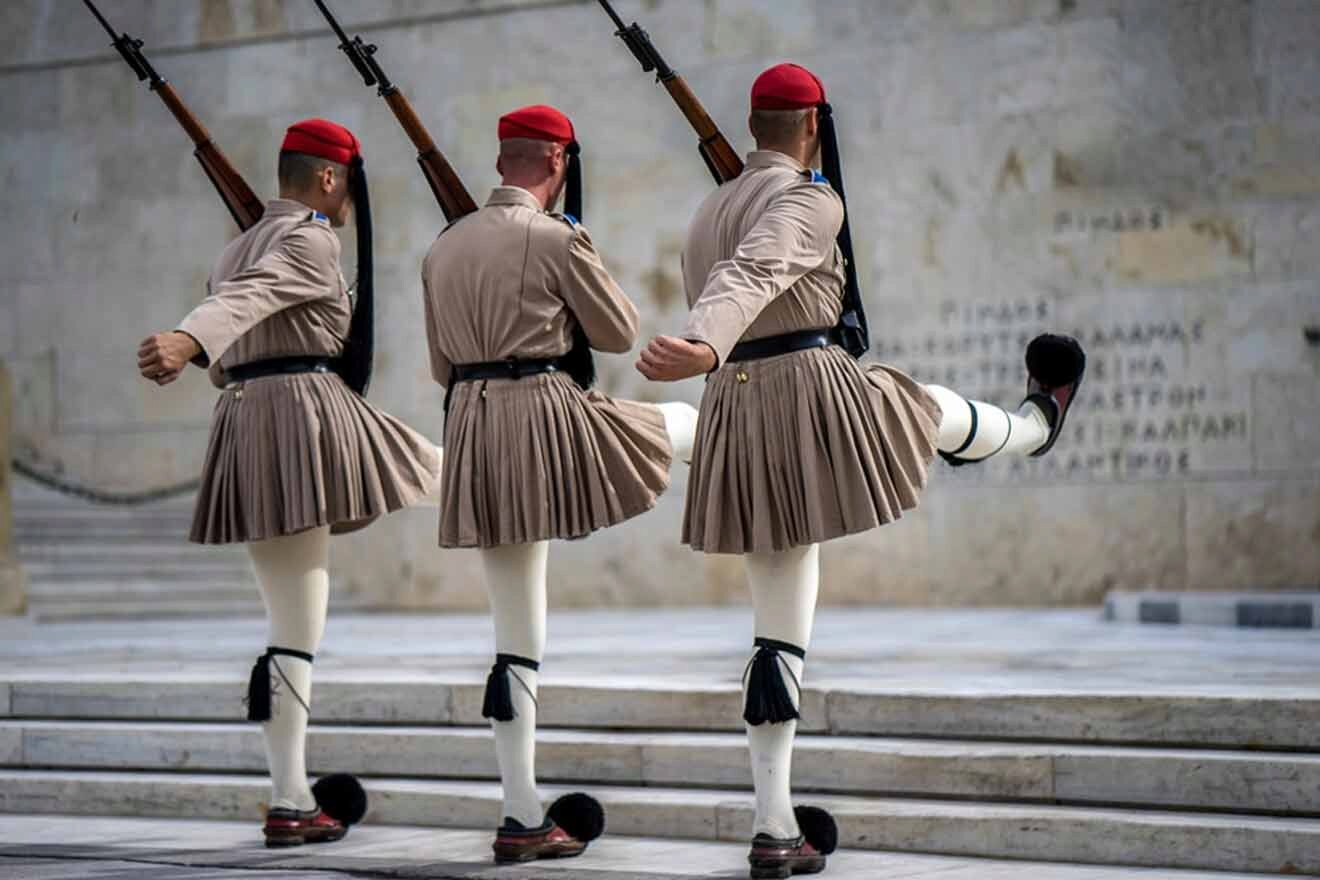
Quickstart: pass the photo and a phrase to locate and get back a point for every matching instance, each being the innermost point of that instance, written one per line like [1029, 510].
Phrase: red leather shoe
[516, 843]
[295, 827]
[775, 859]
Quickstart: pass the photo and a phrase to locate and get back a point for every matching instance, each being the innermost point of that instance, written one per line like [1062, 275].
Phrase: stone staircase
[1106, 778]
[88, 561]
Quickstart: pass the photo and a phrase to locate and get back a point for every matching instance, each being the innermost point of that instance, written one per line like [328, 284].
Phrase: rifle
[448, 189]
[237, 195]
[714, 147]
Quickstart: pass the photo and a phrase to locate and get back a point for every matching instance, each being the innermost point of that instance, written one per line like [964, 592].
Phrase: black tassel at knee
[768, 699]
[498, 702]
[258, 695]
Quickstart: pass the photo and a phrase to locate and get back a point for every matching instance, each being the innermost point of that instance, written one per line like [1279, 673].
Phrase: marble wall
[1142, 173]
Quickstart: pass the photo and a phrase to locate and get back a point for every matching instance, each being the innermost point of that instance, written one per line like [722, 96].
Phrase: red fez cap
[787, 87]
[321, 137]
[539, 123]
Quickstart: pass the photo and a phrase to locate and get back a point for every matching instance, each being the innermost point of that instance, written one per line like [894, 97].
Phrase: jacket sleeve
[303, 267]
[795, 235]
[608, 317]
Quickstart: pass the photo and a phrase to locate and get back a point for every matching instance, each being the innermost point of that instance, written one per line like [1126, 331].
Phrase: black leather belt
[784, 343]
[277, 367]
[511, 368]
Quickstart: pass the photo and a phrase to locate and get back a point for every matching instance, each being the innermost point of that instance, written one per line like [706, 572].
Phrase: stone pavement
[43, 848]
[950, 650]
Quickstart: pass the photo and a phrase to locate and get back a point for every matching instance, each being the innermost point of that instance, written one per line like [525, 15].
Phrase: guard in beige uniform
[515, 299]
[798, 443]
[295, 452]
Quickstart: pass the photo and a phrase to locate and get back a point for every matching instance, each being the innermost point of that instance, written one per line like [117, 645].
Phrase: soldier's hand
[162, 357]
[669, 359]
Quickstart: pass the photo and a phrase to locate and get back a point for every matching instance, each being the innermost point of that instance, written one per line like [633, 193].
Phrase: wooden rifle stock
[454, 199]
[238, 197]
[721, 158]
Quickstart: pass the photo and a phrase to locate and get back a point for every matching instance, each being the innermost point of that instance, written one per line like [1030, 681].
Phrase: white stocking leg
[433, 494]
[784, 589]
[515, 581]
[295, 585]
[996, 430]
[681, 424]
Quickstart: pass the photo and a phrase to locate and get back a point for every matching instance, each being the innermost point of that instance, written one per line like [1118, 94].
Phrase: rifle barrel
[101, 18]
[329, 16]
[618, 22]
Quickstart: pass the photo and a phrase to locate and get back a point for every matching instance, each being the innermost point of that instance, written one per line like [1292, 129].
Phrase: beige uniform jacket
[511, 280]
[295, 451]
[761, 257]
[276, 291]
[534, 458]
[802, 447]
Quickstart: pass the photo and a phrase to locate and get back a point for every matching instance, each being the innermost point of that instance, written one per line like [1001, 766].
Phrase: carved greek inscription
[1141, 412]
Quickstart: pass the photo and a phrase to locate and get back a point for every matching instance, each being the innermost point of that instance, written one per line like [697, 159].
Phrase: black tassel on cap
[579, 362]
[853, 332]
[768, 699]
[354, 365]
[258, 695]
[573, 181]
[498, 702]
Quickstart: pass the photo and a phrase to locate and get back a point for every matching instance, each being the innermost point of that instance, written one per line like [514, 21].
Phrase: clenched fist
[669, 359]
[162, 357]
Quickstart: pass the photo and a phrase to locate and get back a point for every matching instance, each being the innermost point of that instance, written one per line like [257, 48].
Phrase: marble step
[152, 604]
[1038, 832]
[141, 589]
[103, 570]
[170, 549]
[1232, 781]
[144, 610]
[1283, 722]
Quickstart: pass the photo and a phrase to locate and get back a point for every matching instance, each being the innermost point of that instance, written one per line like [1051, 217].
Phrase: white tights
[295, 585]
[515, 582]
[784, 589]
[681, 425]
[996, 430]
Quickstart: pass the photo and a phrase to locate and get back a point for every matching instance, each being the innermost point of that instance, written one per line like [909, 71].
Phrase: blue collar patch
[817, 177]
[572, 221]
[317, 215]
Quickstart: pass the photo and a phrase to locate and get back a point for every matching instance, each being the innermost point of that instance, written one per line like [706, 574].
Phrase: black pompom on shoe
[1055, 365]
[341, 797]
[581, 815]
[818, 827]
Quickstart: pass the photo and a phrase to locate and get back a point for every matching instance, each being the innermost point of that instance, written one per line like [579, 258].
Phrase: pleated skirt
[537, 458]
[290, 453]
[805, 447]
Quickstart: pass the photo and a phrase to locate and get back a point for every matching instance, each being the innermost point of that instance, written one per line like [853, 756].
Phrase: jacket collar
[774, 159]
[514, 195]
[276, 207]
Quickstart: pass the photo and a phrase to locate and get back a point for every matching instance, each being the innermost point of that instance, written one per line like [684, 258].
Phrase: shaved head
[778, 127]
[525, 153]
[299, 172]
[537, 166]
